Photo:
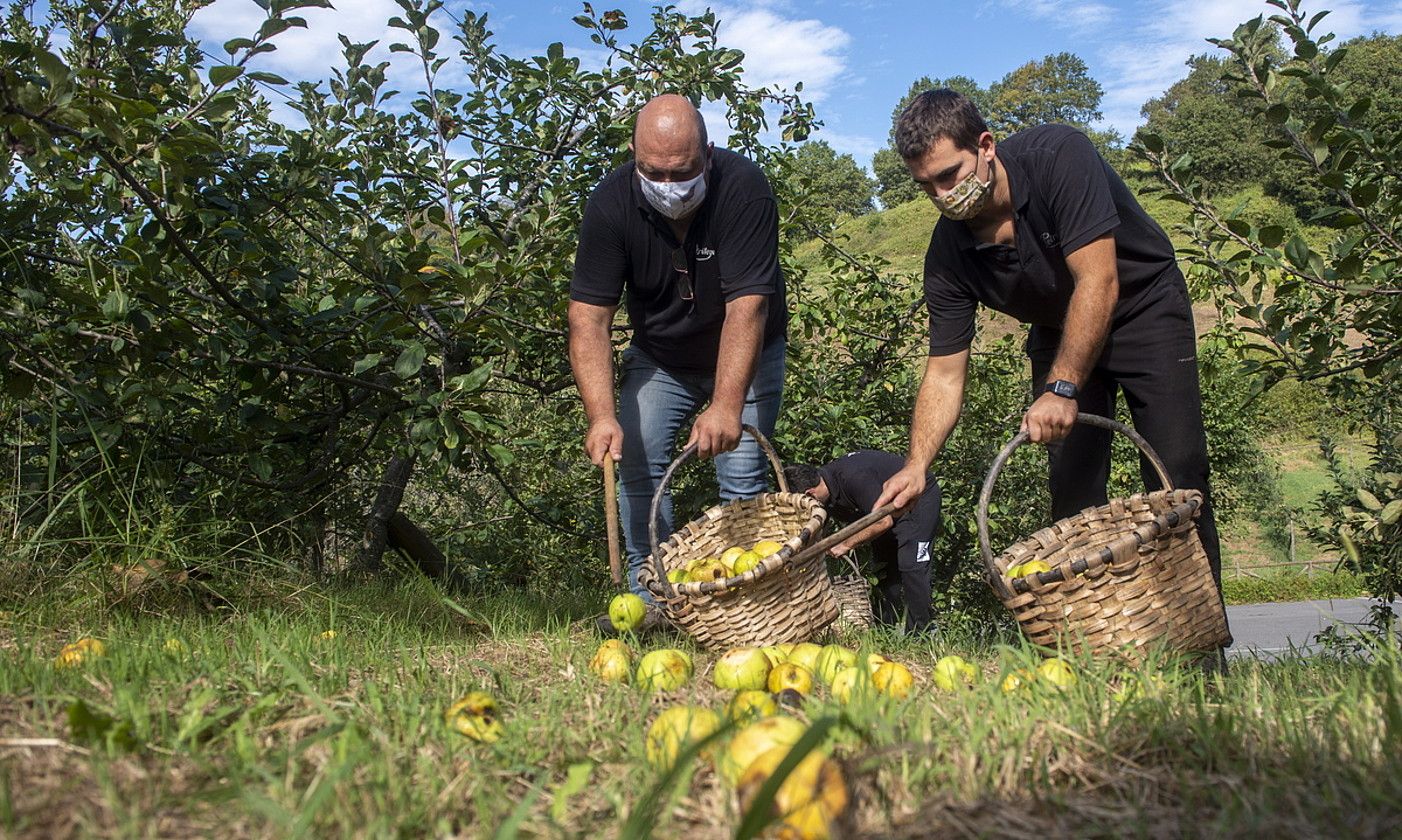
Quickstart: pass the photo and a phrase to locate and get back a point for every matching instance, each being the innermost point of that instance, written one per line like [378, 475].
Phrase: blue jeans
[653, 406]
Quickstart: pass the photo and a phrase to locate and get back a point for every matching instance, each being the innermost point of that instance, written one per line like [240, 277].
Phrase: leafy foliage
[1323, 314]
[830, 184]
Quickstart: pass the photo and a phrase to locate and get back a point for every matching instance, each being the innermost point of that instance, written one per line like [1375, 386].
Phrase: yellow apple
[791, 675]
[806, 654]
[663, 670]
[741, 669]
[1028, 568]
[707, 570]
[85, 649]
[476, 715]
[815, 781]
[678, 576]
[874, 661]
[728, 556]
[675, 729]
[832, 659]
[894, 680]
[755, 740]
[850, 684]
[952, 672]
[745, 562]
[612, 663]
[751, 705]
[777, 654]
[1018, 680]
[764, 548]
[1057, 671]
[626, 611]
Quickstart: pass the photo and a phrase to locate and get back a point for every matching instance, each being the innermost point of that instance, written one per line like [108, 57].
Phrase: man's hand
[902, 489]
[1050, 418]
[604, 436]
[716, 430]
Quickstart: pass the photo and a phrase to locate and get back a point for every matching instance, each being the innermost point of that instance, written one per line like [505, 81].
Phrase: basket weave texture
[788, 598]
[1123, 576]
[853, 598]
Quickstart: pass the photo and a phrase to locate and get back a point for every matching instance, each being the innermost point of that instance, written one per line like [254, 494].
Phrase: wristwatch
[1062, 388]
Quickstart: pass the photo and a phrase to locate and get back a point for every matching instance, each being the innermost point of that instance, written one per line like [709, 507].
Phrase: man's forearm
[1089, 312]
[591, 359]
[741, 339]
[937, 407]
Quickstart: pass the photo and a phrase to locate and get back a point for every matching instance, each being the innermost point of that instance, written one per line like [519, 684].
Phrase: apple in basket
[728, 557]
[626, 611]
[745, 562]
[1031, 567]
[675, 729]
[663, 670]
[741, 669]
[764, 548]
[707, 570]
[678, 576]
[791, 675]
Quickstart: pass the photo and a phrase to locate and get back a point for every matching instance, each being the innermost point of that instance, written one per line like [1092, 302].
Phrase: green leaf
[89, 727]
[410, 360]
[576, 779]
[1392, 512]
[234, 45]
[1369, 500]
[224, 73]
[268, 78]
[366, 362]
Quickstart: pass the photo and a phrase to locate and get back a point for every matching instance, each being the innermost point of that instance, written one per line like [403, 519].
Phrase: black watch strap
[1062, 388]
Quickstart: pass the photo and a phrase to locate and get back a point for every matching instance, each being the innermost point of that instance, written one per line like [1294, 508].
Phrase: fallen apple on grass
[791, 676]
[953, 672]
[741, 669]
[894, 680]
[663, 670]
[626, 611]
[755, 740]
[476, 715]
[675, 729]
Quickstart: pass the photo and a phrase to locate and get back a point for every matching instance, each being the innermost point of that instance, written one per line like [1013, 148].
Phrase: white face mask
[675, 199]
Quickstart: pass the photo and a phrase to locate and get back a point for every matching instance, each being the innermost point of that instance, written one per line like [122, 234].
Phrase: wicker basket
[853, 598]
[1123, 575]
[787, 598]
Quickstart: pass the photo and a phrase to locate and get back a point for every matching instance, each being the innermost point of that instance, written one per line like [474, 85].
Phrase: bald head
[669, 139]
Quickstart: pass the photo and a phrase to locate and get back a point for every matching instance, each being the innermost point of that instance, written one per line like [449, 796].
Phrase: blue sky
[855, 57]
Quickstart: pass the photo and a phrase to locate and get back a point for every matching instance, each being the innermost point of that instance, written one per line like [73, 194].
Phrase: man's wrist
[1062, 388]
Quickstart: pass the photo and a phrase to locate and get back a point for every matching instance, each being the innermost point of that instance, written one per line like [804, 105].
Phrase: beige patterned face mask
[967, 198]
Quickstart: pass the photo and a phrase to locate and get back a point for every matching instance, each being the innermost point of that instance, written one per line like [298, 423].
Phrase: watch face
[1062, 388]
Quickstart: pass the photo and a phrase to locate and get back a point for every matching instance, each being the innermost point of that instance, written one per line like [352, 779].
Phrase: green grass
[266, 728]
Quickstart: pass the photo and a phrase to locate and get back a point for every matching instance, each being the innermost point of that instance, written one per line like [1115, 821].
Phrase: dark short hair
[934, 114]
[802, 477]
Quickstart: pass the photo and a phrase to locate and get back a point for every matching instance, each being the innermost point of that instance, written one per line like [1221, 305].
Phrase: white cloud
[1144, 61]
[781, 50]
[860, 147]
[1064, 13]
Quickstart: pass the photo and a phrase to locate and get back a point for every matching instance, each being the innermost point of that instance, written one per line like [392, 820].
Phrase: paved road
[1270, 630]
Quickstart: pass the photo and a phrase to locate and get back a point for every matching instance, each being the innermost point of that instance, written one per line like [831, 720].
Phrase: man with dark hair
[691, 234]
[1039, 226]
[848, 488]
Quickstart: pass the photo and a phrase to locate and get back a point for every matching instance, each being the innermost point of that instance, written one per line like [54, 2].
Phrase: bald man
[690, 235]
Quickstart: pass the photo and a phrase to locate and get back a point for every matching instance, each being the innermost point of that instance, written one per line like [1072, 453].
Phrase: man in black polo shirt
[1038, 226]
[691, 234]
[848, 488]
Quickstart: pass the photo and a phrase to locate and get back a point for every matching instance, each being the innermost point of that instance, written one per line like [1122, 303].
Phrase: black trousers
[1152, 359]
[902, 560]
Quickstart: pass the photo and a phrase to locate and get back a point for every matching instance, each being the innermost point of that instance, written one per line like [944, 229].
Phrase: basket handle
[821, 546]
[995, 580]
[656, 507]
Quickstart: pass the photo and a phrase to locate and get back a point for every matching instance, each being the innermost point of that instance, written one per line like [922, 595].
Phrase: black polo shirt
[1064, 196]
[732, 249]
[854, 483]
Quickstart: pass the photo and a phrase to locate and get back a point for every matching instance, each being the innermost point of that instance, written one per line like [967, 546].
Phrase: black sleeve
[951, 308]
[748, 250]
[1077, 192]
[601, 260]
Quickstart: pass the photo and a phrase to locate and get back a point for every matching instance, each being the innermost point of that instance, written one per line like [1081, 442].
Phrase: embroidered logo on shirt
[922, 552]
[703, 253]
[1049, 239]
